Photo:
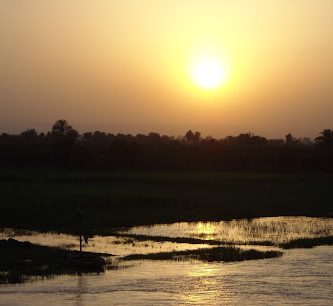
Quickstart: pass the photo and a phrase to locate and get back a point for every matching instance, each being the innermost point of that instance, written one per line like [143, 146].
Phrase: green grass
[47, 199]
[226, 254]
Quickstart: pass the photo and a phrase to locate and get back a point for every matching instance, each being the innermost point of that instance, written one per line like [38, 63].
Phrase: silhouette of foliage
[325, 139]
[62, 146]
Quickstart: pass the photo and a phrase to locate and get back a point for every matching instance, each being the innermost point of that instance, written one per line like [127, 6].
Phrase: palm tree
[63, 128]
[60, 127]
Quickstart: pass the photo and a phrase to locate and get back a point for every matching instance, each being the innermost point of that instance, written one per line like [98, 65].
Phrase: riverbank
[22, 261]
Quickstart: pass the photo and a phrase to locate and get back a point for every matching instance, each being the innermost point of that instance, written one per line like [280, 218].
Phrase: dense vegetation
[64, 147]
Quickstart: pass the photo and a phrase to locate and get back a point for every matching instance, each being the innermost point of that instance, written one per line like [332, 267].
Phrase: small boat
[86, 260]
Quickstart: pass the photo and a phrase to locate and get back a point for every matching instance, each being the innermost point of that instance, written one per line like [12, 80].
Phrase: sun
[208, 73]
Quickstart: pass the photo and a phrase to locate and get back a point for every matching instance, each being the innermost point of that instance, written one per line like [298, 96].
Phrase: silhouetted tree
[192, 137]
[290, 140]
[189, 136]
[325, 138]
[63, 137]
[62, 128]
[30, 134]
[244, 139]
[62, 147]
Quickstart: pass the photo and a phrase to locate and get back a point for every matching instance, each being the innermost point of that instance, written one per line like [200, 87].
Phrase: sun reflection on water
[206, 229]
[205, 286]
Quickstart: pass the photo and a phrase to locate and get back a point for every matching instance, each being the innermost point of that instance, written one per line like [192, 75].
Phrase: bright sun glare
[208, 73]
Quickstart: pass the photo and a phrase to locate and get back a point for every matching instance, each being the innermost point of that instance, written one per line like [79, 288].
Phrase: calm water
[301, 276]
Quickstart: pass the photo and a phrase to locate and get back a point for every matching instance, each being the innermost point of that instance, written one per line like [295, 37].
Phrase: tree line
[64, 147]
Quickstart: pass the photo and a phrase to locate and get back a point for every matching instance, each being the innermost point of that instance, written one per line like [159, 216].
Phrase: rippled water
[301, 276]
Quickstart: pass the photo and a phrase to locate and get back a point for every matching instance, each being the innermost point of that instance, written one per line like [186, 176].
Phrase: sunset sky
[136, 66]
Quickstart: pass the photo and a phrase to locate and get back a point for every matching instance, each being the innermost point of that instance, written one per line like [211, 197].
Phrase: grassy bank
[21, 261]
[47, 200]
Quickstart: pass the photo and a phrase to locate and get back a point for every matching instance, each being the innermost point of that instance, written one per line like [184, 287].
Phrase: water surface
[301, 276]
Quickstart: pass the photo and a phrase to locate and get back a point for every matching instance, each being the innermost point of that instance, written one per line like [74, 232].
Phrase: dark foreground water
[301, 276]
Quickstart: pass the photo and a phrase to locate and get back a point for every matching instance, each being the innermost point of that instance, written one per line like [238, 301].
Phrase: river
[300, 276]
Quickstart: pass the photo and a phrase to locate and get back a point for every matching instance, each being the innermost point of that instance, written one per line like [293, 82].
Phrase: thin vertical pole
[80, 242]
[81, 226]
[81, 230]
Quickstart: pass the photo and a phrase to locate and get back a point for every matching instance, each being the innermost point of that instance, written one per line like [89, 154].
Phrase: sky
[126, 66]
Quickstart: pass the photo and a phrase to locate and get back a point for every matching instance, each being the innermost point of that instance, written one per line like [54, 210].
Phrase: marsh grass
[291, 244]
[307, 242]
[190, 240]
[218, 254]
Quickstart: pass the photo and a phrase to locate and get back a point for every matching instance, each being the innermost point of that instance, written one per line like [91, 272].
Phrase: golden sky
[125, 65]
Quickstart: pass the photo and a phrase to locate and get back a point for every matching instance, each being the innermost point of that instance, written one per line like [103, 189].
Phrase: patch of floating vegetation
[191, 240]
[137, 237]
[292, 244]
[215, 254]
[22, 261]
[307, 242]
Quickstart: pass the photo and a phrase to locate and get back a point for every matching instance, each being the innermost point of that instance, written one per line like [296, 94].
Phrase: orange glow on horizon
[131, 65]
